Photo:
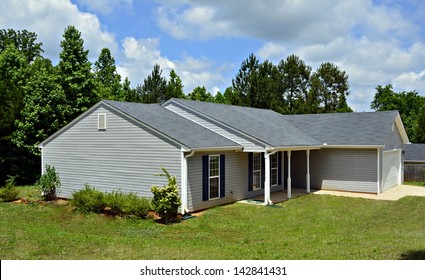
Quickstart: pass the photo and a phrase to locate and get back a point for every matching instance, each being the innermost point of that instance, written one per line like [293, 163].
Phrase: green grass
[309, 227]
[420, 184]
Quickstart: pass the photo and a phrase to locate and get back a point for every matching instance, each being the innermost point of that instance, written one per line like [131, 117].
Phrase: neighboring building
[414, 163]
[222, 153]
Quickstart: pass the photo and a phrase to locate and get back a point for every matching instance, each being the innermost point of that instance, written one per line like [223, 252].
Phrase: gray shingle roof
[414, 152]
[369, 128]
[264, 125]
[180, 129]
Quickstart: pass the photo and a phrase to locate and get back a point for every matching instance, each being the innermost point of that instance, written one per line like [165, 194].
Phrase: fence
[414, 172]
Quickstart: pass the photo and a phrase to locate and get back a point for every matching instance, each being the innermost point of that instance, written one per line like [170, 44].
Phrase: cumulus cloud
[140, 55]
[49, 18]
[106, 7]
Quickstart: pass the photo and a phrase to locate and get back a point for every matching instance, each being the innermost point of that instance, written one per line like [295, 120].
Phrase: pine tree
[107, 78]
[154, 89]
[75, 74]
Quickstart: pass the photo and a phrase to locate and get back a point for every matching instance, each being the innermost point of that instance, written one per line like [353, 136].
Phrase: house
[414, 162]
[223, 153]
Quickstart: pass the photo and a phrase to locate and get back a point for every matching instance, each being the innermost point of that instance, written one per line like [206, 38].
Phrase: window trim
[213, 177]
[256, 170]
[274, 168]
[98, 121]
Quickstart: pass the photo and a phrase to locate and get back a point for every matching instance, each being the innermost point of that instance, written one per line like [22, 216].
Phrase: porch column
[267, 200]
[289, 175]
[183, 183]
[307, 179]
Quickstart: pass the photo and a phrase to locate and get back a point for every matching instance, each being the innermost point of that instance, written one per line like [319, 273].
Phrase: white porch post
[289, 175]
[307, 179]
[267, 179]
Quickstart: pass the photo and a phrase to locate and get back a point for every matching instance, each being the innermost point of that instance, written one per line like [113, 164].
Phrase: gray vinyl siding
[236, 181]
[219, 129]
[125, 156]
[394, 140]
[337, 169]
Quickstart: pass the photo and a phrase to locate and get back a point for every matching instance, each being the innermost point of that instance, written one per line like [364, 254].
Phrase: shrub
[88, 200]
[166, 200]
[9, 192]
[127, 204]
[49, 183]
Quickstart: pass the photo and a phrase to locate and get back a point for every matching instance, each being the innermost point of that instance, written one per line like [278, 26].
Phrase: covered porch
[276, 197]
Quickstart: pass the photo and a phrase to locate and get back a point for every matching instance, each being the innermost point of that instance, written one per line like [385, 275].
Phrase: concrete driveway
[394, 193]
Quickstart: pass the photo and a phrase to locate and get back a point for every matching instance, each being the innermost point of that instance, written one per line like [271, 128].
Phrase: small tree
[166, 200]
[49, 183]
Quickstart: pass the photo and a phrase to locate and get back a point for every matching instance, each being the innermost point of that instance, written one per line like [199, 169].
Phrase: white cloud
[142, 54]
[49, 18]
[272, 51]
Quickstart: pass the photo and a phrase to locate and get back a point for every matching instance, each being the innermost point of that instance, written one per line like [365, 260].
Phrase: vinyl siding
[223, 131]
[337, 169]
[236, 181]
[125, 156]
[394, 140]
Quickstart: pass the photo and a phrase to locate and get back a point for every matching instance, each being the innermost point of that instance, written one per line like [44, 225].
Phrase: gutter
[267, 154]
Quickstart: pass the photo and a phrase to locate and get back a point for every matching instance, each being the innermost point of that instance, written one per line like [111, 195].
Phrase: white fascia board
[352, 146]
[215, 149]
[401, 129]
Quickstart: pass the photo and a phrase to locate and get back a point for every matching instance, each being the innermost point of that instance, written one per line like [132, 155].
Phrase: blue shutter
[222, 177]
[205, 177]
[263, 170]
[250, 175]
[279, 168]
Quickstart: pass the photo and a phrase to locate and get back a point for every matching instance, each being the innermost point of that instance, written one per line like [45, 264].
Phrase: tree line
[38, 98]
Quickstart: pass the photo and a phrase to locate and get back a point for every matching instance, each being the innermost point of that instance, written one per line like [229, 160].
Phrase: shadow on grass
[413, 255]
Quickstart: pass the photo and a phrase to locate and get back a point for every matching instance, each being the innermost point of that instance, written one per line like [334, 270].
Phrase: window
[256, 171]
[274, 170]
[101, 121]
[214, 176]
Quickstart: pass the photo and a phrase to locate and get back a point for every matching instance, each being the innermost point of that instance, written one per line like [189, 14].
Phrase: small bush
[166, 200]
[127, 204]
[88, 200]
[49, 183]
[9, 192]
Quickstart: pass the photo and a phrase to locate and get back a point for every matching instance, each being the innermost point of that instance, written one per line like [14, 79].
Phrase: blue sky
[375, 42]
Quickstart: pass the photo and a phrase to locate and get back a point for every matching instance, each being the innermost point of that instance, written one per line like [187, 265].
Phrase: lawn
[419, 184]
[309, 227]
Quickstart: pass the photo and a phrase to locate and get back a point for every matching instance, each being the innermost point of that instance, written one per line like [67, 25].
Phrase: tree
[245, 82]
[13, 75]
[420, 128]
[295, 78]
[174, 86]
[200, 94]
[75, 74]
[409, 105]
[24, 41]
[107, 78]
[154, 89]
[44, 112]
[330, 85]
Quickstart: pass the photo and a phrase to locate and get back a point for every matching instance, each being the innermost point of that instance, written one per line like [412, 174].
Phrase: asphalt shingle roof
[180, 129]
[368, 128]
[264, 125]
[414, 152]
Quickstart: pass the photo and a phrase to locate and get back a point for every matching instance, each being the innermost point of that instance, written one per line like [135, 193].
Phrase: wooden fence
[414, 172]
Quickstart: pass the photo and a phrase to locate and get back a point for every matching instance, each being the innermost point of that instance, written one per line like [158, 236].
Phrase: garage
[391, 168]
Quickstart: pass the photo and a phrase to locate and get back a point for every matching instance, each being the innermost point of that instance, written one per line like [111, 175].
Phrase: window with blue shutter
[213, 177]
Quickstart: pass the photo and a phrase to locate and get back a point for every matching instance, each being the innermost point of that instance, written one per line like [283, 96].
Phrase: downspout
[267, 200]
[184, 176]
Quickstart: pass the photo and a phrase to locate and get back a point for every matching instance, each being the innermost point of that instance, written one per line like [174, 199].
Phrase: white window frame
[258, 171]
[98, 121]
[274, 168]
[213, 177]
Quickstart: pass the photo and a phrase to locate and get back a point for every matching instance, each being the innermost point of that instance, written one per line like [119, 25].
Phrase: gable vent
[101, 121]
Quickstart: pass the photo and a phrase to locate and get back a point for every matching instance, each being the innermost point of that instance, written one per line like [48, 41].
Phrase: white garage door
[391, 168]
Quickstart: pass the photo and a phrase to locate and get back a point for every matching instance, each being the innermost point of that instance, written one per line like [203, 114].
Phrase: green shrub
[88, 200]
[127, 204]
[9, 192]
[49, 183]
[166, 200]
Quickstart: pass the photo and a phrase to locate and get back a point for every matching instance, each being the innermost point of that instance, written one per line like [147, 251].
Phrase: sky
[375, 42]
